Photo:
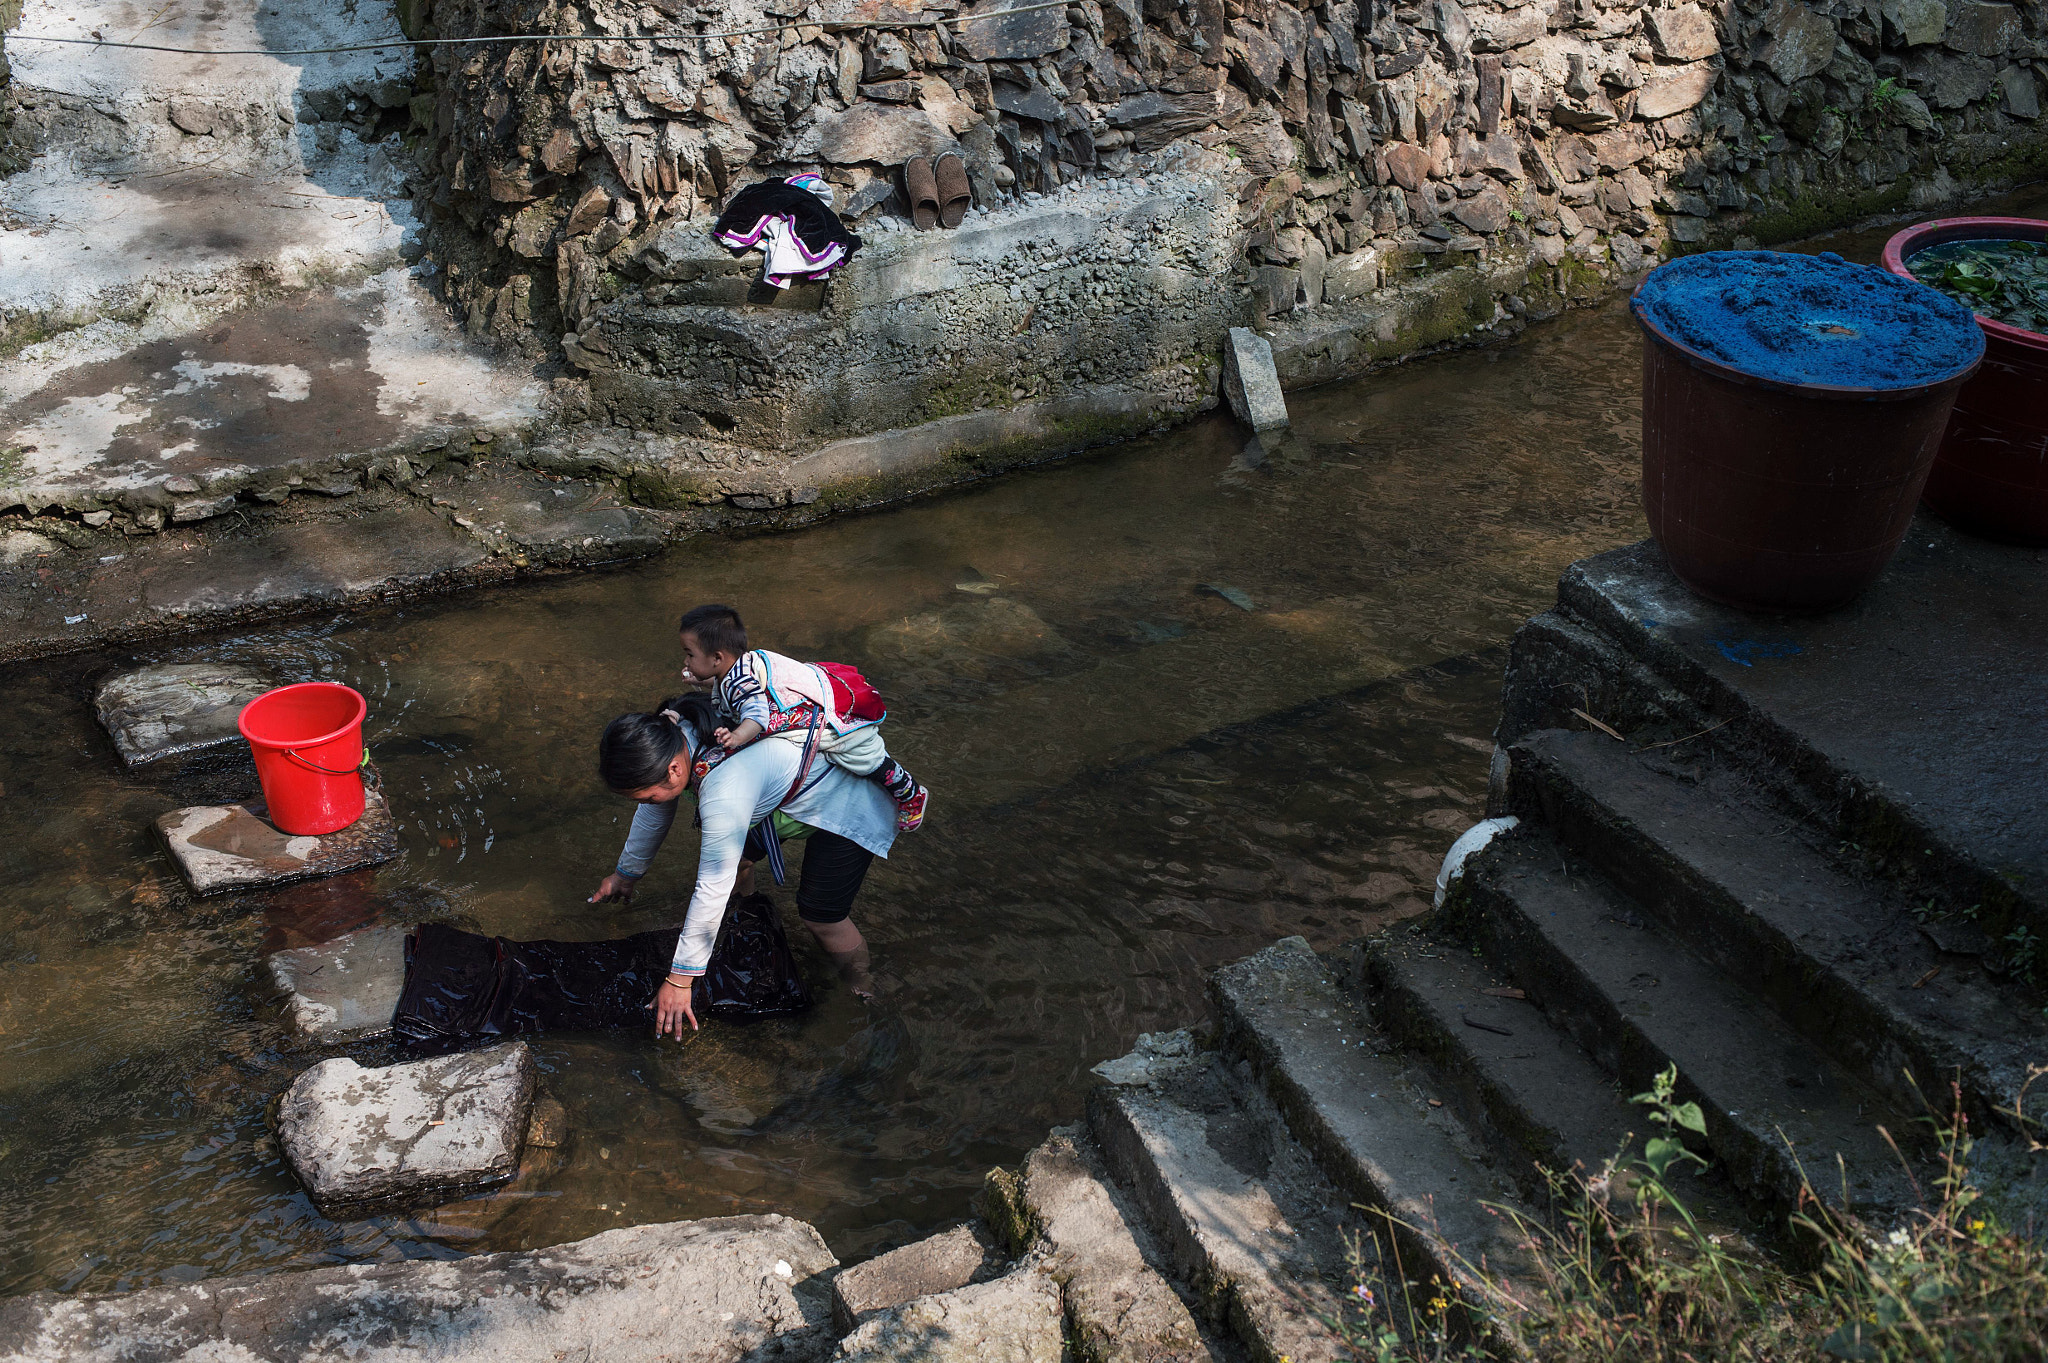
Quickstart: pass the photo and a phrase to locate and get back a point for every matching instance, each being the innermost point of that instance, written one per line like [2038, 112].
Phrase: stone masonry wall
[1353, 154]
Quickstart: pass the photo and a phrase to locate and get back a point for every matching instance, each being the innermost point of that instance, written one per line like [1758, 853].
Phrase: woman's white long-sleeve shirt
[735, 795]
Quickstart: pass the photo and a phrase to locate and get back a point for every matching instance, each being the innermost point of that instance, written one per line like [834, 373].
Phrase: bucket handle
[293, 754]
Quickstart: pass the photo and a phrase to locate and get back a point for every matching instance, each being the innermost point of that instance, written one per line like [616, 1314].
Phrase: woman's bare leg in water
[849, 951]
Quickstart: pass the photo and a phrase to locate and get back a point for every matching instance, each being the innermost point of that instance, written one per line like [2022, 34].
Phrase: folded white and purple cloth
[792, 223]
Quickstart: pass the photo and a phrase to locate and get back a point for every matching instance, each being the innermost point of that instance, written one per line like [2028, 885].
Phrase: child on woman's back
[761, 693]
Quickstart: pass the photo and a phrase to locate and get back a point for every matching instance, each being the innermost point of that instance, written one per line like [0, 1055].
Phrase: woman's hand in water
[614, 888]
[672, 1006]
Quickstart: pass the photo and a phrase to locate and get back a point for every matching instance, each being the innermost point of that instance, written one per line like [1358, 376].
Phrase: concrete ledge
[728, 1290]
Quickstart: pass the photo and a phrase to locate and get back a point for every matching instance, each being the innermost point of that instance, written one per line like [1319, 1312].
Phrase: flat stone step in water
[1910, 716]
[1840, 958]
[1638, 1001]
[169, 709]
[1119, 1306]
[1368, 1120]
[234, 847]
[736, 1287]
[1212, 1182]
[1014, 1319]
[412, 1134]
[344, 990]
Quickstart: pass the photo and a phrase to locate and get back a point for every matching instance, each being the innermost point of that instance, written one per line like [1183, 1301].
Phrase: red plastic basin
[1990, 476]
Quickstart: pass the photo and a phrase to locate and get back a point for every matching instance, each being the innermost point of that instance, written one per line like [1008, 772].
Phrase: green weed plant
[1624, 1273]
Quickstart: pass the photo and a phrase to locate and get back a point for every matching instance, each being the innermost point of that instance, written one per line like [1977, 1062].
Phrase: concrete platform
[344, 990]
[1912, 717]
[167, 710]
[232, 847]
[716, 1291]
[207, 298]
[300, 396]
[415, 1134]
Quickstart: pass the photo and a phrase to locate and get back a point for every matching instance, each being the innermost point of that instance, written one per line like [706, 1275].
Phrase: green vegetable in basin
[2004, 280]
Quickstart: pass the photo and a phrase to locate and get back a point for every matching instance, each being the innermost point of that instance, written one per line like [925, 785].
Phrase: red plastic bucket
[1991, 475]
[308, 742]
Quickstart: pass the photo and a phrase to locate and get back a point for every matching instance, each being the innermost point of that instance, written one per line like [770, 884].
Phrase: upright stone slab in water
[232, 847]
[1251, 383]
[713, 1291]
[363, 1139]
[162, 711]
[346, 989]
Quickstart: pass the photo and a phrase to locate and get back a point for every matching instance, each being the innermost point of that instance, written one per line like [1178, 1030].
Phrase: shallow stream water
[1171, 707]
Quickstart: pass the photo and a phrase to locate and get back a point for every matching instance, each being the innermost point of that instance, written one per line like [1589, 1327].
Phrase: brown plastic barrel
[1990, 476]
[1777, 496]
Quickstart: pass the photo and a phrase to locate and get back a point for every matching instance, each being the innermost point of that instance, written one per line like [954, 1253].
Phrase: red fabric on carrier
[853, 696]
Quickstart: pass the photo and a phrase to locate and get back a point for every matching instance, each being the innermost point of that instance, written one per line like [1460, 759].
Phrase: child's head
[713, 640]
[648, 756]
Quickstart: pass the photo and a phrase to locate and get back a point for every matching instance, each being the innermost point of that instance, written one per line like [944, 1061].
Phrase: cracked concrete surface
[737, 1289]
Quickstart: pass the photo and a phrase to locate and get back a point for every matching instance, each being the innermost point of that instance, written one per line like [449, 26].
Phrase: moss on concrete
[1812, 213]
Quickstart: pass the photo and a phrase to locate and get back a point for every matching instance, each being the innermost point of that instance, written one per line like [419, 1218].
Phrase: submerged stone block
[233, 847]
[940, 1263]
[1251, 383]
[346, 989]
[169, 709]
[363, 1139]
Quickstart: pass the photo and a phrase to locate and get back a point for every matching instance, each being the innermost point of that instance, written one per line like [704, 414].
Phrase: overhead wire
[837, 26]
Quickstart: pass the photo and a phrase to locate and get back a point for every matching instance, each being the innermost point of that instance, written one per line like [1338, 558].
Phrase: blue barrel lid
[1810, 320]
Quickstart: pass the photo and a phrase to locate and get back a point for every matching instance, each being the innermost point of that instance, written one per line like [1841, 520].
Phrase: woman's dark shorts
[834, 868]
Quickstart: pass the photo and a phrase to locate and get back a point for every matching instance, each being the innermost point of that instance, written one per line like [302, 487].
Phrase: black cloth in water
[817, 226]
[463, 985]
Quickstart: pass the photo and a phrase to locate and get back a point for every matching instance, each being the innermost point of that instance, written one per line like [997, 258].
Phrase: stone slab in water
[1251, 383]
[406, 1135]
[1014, 1319]
[169, 709]
[939, 1263]
[345, 989]
[232, 847]
[715, 1291]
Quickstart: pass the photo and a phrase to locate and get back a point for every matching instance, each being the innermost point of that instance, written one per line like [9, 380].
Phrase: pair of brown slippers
[937, 190]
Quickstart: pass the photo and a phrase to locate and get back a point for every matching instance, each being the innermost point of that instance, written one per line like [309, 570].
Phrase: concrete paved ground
[204, 275]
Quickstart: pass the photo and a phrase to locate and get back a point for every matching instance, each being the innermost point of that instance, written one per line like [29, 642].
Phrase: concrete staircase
[1684, 890]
